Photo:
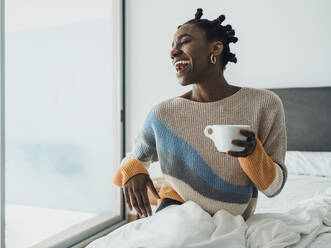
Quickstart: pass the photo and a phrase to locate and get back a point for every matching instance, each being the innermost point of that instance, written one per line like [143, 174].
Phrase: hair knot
[220, 19]
[228, 27]
[233, 39]
[198, 14]
[231, 32]
[231, 57]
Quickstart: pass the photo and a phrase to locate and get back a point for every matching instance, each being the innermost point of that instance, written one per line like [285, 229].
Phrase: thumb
[150, 185]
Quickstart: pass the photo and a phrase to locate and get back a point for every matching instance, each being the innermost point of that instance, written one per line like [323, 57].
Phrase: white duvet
[187, 225]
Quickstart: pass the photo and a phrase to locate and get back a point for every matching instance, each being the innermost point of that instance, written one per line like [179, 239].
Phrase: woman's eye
[184, 42]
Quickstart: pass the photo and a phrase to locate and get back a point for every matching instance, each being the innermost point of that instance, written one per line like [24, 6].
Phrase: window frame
[2, 123]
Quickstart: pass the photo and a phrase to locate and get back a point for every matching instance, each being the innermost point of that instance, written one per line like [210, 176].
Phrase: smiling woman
[173, 133]
[214, 32]
[200, 52]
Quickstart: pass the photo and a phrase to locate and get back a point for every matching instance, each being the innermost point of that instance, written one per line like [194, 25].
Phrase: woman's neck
[211, 90]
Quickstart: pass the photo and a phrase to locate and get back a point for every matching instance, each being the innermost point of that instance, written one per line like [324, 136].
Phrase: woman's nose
[174, 52]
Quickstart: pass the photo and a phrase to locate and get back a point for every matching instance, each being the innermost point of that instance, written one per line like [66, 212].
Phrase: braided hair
[215, 31]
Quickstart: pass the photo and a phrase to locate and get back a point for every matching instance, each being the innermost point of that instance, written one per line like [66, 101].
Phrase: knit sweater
[173, 134]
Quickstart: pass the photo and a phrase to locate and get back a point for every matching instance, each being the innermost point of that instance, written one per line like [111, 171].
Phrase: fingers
[242, 143]
[250, 134]
[134, 202]
[147, 204]
[140, 204]
[127, 198]
[237, 154]
[150, 185]
[136, 195]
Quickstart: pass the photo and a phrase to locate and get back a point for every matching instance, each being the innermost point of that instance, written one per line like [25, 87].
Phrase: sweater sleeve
[143, 154]
[265, 166]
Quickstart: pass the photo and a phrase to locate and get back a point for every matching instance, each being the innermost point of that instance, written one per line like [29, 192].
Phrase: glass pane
[59, 115]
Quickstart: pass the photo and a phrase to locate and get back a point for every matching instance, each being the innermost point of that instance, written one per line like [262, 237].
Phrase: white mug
[222, 135]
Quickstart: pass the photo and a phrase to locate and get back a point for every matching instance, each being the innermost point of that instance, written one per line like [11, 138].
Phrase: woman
[173, 133]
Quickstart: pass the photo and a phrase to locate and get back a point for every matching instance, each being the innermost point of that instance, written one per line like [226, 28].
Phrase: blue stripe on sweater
[169, 141]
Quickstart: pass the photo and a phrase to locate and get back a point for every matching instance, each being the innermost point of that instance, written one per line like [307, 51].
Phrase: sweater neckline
[229, 98]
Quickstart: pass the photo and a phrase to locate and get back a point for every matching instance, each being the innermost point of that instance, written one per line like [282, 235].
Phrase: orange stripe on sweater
[129, 169]
[168, 192]
[259, 167]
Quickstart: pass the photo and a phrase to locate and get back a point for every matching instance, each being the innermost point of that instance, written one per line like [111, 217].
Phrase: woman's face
[191, 47]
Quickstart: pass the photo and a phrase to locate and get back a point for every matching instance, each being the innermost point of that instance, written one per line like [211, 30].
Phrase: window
[63, 129]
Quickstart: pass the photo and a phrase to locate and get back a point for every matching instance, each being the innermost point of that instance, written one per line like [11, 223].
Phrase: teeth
[182, 62]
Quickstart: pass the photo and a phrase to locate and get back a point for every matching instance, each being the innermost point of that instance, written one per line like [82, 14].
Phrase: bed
[300, 216]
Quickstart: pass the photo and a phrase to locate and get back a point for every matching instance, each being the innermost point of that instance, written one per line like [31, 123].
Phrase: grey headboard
[307, 117]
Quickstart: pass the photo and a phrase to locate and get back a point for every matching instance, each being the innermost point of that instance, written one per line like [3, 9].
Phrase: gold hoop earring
[213, 59]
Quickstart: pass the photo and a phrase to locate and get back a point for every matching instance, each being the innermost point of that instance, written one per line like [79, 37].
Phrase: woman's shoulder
[162, 105]
[264, 97]
[167, 103]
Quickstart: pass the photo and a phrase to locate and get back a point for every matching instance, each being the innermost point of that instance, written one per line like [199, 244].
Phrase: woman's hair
[214, 32]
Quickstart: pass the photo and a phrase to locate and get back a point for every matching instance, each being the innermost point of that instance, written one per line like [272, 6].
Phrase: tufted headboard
[307, 117]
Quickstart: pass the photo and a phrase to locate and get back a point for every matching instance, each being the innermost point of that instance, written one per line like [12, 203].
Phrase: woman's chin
[186, 77]
[184, 81]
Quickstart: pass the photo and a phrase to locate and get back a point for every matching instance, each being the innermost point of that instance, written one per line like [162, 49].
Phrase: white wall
[281, 44]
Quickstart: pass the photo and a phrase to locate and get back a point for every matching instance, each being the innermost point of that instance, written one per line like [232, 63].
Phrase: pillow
[308, 163]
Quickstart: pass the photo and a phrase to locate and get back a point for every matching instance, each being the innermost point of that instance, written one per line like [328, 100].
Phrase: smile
[182, 66]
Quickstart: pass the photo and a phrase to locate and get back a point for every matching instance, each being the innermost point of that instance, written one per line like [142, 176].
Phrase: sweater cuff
[129, 169]
[259, 167]
[168, 192]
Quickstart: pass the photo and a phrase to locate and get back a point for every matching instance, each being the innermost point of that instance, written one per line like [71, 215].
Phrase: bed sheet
[189, 226]
[299, 216]
[296, 189]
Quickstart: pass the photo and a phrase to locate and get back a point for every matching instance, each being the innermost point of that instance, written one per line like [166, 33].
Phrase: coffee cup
[222, 136]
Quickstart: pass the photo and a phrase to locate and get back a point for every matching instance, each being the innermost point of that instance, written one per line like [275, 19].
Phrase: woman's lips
[183, 70]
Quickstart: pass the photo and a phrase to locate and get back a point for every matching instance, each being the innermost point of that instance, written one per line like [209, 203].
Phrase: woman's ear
[217, 48]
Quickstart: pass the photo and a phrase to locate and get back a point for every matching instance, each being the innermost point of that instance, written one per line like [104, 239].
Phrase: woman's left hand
[249, 144]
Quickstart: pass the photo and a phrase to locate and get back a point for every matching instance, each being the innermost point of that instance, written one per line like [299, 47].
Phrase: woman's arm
[144, 153]
[133, 175]
[263, 160]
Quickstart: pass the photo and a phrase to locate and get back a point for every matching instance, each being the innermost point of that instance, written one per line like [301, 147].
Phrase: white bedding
[300, 216]
[296, 189]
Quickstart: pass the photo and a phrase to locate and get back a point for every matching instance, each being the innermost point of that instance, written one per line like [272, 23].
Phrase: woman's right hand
[135, 193]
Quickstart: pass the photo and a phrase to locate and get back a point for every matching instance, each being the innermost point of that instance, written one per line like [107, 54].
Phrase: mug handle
[206, 131]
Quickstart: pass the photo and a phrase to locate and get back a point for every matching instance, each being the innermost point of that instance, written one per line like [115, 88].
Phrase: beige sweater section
[173, 134]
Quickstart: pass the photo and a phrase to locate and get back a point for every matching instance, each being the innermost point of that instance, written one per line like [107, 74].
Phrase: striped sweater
[173, 134]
